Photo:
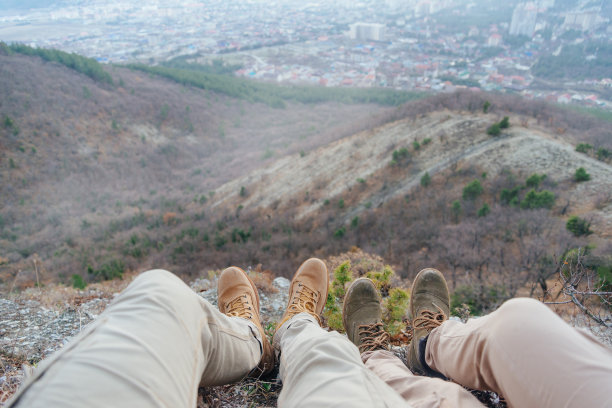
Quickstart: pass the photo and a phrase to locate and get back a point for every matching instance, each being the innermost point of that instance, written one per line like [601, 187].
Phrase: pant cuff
[278, 336]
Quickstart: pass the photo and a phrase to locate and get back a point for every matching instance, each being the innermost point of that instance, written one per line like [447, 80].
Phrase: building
[524, 19]
[367, 31]
[582, 21]
[423, 8]
[494, 40]
[546, 4]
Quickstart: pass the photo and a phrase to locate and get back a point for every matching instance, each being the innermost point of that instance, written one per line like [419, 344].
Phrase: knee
[156, 275]
[157, 281]
[522, 310]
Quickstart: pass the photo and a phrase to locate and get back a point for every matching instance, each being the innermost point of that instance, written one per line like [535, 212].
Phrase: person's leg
[362, 320]
[321, 368]
[419, 391]
[317, 367]
[150, 348]
[526, 353]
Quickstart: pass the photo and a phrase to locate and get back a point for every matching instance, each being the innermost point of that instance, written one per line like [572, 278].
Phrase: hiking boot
[308, 291]
[361, 317]
[238, 297]
[429, 308]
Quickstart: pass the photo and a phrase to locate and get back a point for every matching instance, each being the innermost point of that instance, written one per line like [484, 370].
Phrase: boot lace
[374, 337]
[304, 302]
[428, 320]
[239, 307]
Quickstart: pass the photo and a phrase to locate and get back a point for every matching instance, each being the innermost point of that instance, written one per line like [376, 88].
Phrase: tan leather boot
[362, 316]
[429, 307]
[308, 290]
[238, 297]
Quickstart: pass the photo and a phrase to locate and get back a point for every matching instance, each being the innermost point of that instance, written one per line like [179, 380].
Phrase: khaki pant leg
[323, 369]
[150, 348]
[419, 391]
[526, 353]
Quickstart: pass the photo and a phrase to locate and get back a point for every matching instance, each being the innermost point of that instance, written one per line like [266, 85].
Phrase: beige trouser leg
[526, 353]
[150, 348]
[419, 391]
[323, 369]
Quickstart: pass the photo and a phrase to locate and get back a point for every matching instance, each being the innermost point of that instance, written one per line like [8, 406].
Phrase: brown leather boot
[308, 290]
[238, 297]
[429, 307]
[362, 316]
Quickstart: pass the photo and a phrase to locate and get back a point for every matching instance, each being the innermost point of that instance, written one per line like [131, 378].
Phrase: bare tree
[584, 288]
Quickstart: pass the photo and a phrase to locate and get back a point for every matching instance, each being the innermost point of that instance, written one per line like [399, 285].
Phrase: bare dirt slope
[457, 139]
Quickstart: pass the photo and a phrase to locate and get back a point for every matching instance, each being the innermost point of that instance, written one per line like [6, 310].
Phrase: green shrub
[484, 210]
[335, 296]
[416, 145]
[479, 300]
[341, 203]
[8, 122]
[583, 147]
[486, 106]
[426, 141]
[339, 233]
[240, 235]
[109, 270]
[605, 277]
[510, 196]
[472, 190]
[581, 175]
[494, 130]
[382, 278]
[243, 191]
[394, 309]
[78, 282]
[220, 241]
[456, 210]
[578, 226]
[425, 180]
[533, 200]
[603, 154]
[534, 180]
[400, 155]
[505, 123]
[355, 222]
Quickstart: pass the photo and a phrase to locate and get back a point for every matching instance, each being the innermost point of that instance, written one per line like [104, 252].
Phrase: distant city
[559, 50]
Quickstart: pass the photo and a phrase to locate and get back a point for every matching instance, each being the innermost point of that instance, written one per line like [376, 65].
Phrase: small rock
[201, 285]
[282, 284]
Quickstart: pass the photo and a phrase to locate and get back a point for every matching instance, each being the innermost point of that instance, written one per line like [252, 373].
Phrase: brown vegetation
[111, 180]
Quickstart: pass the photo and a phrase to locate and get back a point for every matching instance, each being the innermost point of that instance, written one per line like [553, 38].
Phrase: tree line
[79, 63]
[217, 79]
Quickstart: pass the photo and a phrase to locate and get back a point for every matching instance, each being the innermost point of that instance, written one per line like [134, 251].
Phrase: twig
[14, 280]
[588, 312]
[37, 281]
[558, 303]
